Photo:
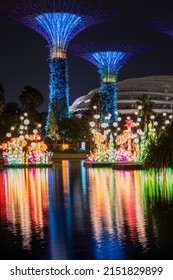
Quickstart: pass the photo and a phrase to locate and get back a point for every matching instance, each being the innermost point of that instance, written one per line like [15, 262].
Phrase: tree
[9, 118]
[95, 107]
[147, 109]
[53, 127]
[95, 101]
[159, 151]
[2, 99]
[31, 99]
[12, 108]
[73, 130]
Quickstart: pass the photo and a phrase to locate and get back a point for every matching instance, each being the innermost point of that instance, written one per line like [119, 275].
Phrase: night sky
[24, 53]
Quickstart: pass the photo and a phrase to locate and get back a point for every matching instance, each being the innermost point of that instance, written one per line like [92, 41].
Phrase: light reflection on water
[117, 208]
[70, 212]
[24, 202]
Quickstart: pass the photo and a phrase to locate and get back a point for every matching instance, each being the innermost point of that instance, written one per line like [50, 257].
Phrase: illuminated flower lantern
[103, 146]
[99, 140]
[25, 149]
[58, 21]
[136, 147]
[112, 152]
[128, 143]
[129, 124]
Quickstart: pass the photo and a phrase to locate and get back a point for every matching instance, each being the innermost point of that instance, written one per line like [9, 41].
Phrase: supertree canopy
[162, 23]
[58, 21]
[108, 58]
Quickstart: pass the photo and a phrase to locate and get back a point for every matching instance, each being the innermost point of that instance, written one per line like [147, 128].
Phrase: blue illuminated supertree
[58, 21]
[108, 58]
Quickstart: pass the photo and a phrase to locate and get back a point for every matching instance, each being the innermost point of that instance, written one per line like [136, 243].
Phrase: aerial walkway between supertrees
[108, 58]
[58, 22]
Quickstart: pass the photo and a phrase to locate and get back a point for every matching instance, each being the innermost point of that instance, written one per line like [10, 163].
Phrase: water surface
[70, 212]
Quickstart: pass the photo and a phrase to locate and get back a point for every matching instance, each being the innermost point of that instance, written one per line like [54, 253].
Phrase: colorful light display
[25, 149]
[58, 22]
[112, 143]
[121, 147]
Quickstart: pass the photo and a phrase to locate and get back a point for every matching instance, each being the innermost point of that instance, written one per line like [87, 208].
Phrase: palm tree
[53, 131]
[146, 109]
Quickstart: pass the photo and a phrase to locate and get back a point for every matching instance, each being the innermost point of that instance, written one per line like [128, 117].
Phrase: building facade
[158, 88]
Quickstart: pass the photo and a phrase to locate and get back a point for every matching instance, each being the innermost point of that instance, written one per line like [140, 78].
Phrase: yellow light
[65, 146]
[59, 54]
[109, 79]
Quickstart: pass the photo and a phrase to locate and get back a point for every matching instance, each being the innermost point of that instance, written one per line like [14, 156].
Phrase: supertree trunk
[59, 91]
[108, 100]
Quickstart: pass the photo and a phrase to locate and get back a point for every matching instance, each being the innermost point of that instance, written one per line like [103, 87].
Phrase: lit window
[87, 100]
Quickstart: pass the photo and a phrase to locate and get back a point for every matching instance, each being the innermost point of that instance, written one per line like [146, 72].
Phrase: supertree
[162, 23]
[58, 21]
[108, 58]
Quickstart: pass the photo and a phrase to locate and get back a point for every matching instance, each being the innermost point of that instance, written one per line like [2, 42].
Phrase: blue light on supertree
[58, 22]
[162, 23]
[50, 23]
[108, 59]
